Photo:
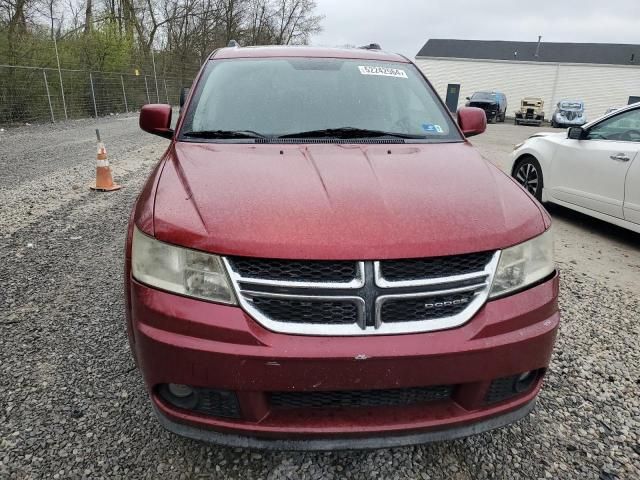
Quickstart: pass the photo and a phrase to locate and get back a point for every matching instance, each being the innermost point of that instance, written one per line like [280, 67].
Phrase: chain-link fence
[36, 95]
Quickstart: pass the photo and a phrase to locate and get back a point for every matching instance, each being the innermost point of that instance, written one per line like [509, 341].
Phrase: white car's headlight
[179, 270]
[524, 264]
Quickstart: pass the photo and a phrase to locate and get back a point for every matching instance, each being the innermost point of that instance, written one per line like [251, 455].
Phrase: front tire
[528, 173]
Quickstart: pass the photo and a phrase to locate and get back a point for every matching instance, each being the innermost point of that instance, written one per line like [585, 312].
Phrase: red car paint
[334, 202]
[409, 191]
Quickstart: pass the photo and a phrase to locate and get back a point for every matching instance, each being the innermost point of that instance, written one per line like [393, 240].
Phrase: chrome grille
[415, 309]
[294, 270]
[436, 267]
[360, 298]
[314, 311]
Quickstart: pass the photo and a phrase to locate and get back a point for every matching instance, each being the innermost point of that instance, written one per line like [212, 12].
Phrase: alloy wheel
[529, 177]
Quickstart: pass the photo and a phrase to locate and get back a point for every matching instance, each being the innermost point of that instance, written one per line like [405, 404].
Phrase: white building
[602, 75]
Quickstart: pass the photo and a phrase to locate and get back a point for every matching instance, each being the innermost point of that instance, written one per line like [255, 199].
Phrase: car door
[592, 172]
[632, 193]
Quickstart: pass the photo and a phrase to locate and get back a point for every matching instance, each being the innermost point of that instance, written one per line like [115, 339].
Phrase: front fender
[540, 148]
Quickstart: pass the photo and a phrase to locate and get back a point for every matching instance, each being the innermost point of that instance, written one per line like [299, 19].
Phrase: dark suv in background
[494, 104]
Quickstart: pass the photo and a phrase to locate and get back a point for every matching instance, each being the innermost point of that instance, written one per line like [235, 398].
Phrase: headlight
[179, 270]
[524, 265]
[517, 146]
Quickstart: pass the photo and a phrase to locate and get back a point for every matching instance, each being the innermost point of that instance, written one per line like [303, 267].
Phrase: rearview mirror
[155, 118]
[576, 133]
[472, 121]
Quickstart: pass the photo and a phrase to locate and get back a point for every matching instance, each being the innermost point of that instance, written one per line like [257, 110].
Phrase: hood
[484, 104]
[339, 201]
[549, 134]
[570, 110]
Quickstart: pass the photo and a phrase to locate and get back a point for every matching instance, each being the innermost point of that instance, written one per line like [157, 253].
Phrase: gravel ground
[72, 404]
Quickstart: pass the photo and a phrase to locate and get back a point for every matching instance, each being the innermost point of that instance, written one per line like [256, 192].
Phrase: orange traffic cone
[104, 181]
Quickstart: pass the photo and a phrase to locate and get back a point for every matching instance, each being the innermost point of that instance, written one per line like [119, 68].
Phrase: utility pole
[538, 46]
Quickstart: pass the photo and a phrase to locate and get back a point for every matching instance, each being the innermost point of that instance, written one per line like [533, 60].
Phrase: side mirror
[184, 93]
[472, 121]
[468, 98]
[576, 133]
[155, 118]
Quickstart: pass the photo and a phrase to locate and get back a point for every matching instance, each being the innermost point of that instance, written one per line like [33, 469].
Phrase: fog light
[524, 381]
[208, 401]
[180, 391]
[182, 396]
[502, 389]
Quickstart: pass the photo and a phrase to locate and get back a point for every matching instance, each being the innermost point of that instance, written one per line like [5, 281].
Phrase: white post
[146, 87]
[64, 103]
[155, 76]
[46, 86]
[93, 95]
[124, 94]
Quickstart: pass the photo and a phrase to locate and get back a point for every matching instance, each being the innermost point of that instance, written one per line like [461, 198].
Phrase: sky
[404, 26]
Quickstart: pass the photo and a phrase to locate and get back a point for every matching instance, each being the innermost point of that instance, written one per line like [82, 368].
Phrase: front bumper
[185, 341]
[529, 120]
[240, 441]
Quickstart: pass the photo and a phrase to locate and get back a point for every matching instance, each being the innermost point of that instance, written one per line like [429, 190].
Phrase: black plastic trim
[327, 444]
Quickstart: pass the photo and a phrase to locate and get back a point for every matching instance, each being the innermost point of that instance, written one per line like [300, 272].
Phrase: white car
[594, 169]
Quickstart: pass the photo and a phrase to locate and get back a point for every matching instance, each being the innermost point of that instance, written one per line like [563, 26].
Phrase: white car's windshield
[312, 97]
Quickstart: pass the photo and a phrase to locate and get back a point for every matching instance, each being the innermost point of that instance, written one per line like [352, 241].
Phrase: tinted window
[283, 96]
[485, 96]
[623, 127]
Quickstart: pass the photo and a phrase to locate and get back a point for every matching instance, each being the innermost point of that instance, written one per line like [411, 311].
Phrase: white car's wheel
[528, 173]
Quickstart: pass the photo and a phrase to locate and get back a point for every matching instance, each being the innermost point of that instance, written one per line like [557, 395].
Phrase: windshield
[292, 96]
[485, 96]
[570, 105]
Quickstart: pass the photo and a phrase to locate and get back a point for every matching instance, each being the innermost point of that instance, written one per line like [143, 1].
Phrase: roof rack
[233, 44]
[371, 46]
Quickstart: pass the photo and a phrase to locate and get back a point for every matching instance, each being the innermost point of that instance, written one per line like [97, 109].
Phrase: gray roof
[599, 53]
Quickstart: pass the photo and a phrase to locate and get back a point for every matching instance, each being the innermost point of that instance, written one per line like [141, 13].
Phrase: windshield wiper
[350, 132]
[224, 134]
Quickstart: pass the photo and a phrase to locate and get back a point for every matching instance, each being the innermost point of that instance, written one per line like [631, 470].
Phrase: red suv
[322, 260]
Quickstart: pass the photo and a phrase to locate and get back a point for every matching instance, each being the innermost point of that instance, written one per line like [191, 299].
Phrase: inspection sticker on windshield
[431, 128]
[383, 71]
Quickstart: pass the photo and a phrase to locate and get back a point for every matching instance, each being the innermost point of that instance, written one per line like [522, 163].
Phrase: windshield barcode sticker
[383, 71]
